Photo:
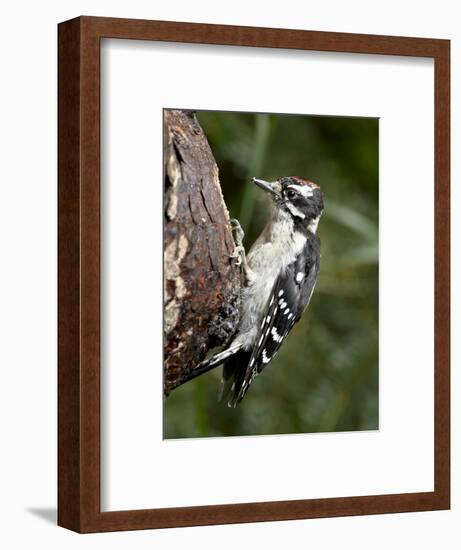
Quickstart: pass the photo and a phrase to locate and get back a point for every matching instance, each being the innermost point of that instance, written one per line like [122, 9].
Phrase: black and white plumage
[280, 273]
[289, 298]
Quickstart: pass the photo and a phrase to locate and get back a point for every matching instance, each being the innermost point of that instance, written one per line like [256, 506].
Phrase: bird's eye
[290, 194]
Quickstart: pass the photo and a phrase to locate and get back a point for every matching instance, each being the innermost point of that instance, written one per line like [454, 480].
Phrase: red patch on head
[300, 181]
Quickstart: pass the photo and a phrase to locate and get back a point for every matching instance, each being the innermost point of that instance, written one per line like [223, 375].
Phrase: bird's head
[298, 198]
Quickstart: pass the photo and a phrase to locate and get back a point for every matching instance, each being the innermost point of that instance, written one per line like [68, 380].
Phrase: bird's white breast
[270, 255]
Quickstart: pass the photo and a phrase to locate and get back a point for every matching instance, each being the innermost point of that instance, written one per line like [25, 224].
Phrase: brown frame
[79, 285]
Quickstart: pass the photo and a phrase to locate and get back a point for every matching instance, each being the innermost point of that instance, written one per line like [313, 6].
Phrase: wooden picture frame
[79, 274]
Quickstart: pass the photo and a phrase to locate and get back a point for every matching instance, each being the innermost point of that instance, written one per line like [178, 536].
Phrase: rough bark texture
[201, 280]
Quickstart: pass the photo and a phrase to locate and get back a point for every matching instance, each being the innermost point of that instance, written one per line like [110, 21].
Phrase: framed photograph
[254, 269]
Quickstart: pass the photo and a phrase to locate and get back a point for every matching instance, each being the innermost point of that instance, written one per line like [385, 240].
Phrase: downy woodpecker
[279, 276]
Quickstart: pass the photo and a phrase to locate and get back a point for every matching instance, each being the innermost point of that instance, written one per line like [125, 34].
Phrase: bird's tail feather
[213, 362]
[232, 377]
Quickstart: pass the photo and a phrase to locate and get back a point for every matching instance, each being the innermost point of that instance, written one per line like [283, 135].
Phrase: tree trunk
[201, 279]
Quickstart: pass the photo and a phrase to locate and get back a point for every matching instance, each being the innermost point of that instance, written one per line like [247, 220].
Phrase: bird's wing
[289, 298]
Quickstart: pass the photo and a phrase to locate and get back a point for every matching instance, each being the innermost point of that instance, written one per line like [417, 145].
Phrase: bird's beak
[270, 187]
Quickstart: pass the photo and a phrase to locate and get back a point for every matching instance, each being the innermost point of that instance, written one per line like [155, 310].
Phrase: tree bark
[201, 279]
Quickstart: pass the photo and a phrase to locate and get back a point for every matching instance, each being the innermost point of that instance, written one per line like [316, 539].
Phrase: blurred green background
[325, 376]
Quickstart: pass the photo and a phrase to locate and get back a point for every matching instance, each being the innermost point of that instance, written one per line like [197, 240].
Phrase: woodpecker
[279, 275]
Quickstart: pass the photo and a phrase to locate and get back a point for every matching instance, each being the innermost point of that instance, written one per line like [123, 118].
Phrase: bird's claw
[237, 229]
[238, 255]
[239, 251]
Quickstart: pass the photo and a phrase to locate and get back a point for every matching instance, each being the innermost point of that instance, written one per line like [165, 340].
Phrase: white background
[28, 274]
[399, 92]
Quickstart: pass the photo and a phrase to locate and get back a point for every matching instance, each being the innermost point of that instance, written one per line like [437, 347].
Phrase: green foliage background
[325, 377]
